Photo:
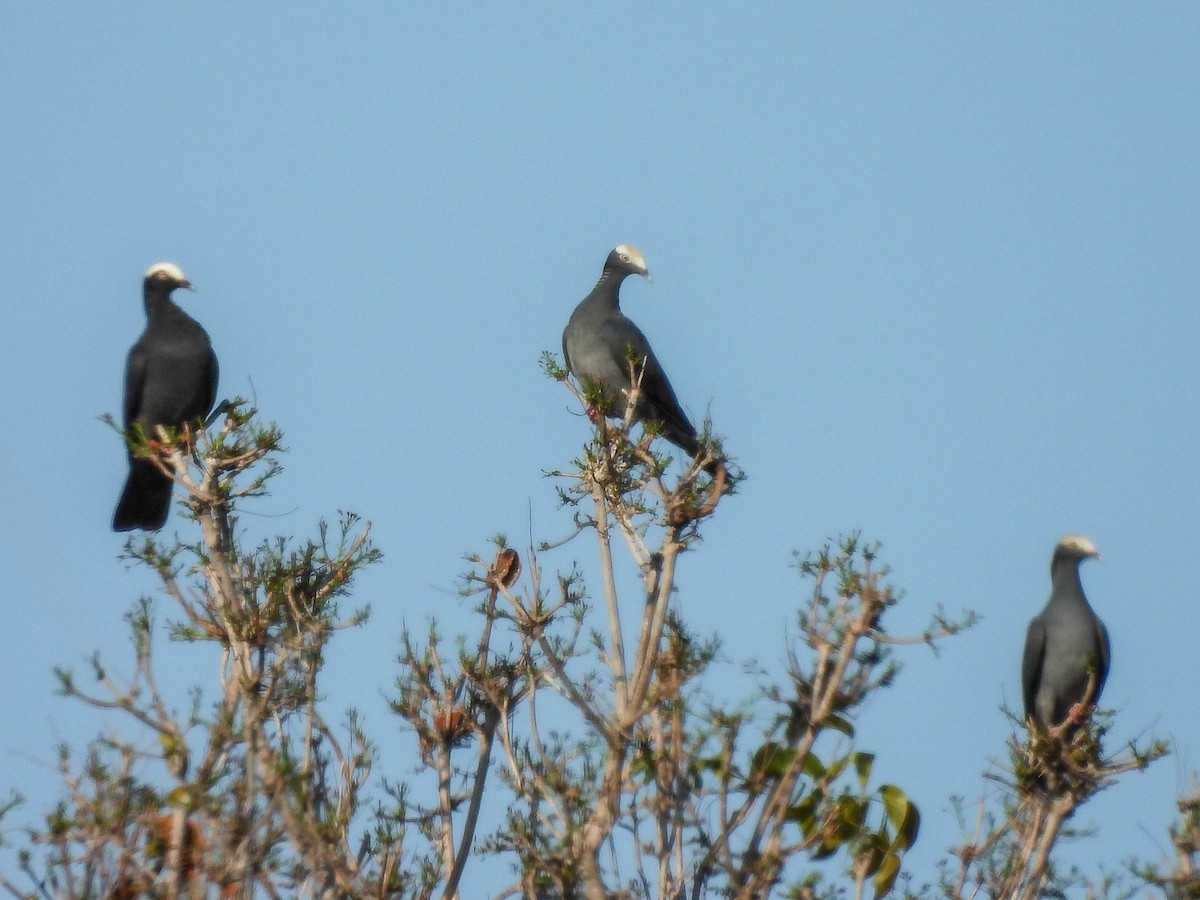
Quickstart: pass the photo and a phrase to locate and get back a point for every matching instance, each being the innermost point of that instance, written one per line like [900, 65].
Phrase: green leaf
[907, 835]
[837, 723]
[642, 766]
[836, 768]
[851, 813]
[903, 814]
[870, 853]
[885, 875]
[828, 847]
[804, 814]
[813, 767]
[771, 760]
[863, 762]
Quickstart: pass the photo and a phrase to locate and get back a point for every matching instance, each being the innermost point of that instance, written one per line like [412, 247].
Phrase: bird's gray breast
[1072, 653]
[591, 347]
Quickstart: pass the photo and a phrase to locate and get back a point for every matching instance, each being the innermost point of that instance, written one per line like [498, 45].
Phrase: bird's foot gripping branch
[631, 470]
[1009, 853]
[208, 462]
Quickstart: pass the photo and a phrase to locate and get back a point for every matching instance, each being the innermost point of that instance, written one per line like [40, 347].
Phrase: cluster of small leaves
[251, 789]
[793, 799]
[1051, 774]
[631, 473]
[687, 798]
[1182, 878]
[453, 704]
[253, 793]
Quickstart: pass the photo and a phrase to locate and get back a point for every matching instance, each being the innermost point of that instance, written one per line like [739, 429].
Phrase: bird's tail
[146, 500]
[689, 442]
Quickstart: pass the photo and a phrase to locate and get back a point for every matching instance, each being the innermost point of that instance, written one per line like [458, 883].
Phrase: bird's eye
[624, 257]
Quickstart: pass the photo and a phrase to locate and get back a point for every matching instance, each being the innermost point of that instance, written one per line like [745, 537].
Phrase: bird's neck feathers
[1064, 573]
[608, 288]
[159, 305]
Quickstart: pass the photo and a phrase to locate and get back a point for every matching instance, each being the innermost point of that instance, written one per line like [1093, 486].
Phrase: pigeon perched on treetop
[171, 380]
[598, 342]
[1066, 648]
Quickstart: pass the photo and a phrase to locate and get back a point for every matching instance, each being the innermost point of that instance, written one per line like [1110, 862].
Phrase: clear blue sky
[931, 267]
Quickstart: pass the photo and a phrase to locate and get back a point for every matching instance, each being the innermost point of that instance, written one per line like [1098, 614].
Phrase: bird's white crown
[166, 268]
[1078, 544]
[632, 255]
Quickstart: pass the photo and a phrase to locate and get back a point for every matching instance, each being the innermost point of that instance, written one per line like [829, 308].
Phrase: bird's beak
[188, 285]
[645, 273]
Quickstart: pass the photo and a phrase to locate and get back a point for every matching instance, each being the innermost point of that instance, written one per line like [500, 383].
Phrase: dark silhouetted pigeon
[170, 379]
[1066, 648]
[598, 342]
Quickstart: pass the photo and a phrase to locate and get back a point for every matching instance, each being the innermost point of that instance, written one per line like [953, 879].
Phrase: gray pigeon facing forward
[1067, 644]
[170, 379]
[597, 343]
